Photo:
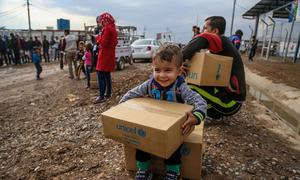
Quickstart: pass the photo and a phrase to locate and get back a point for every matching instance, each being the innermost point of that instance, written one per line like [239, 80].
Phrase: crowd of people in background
[69, 49]
[17, 50]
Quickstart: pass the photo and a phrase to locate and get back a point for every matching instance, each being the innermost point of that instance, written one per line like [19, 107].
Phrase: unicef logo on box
[131, 130]
[184, 150]
[141, 133]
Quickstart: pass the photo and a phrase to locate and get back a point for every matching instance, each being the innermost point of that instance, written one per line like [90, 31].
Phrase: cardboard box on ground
[191, 161]
[208, 69]
[147, 124]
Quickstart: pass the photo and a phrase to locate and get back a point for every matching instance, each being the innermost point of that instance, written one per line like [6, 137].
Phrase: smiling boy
[167, 84]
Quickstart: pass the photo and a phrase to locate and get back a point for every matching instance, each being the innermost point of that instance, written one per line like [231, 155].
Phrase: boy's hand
[187, 126]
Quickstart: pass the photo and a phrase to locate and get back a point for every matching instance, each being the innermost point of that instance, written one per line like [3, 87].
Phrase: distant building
[63, 24]
[165, 37]
[49, 27]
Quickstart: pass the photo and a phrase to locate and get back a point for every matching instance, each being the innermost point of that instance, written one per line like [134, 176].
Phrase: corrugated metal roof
[265, 6]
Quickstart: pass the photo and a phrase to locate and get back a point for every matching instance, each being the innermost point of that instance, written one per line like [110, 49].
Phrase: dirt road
[50, 129]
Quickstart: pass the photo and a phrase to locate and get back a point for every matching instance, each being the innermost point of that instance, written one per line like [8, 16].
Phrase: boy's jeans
[39, 69]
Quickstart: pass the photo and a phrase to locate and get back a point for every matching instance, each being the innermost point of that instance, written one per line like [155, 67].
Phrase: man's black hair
[67, 31]
[217, 22]
[239, 32]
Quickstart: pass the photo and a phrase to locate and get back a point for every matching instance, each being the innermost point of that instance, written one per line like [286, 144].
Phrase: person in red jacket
[107, 42]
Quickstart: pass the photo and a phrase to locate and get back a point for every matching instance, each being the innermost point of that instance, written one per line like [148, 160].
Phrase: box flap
[154, 113]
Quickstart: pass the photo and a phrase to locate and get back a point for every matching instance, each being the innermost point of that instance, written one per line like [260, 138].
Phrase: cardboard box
[209, 70]
[150, 125]
[191, 161]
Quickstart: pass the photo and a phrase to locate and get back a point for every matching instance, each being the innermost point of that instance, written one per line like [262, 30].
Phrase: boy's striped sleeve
[200, 116]
[191, 97]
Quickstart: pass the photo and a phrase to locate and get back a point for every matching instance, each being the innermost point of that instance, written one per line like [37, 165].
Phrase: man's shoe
[212, 121]
[99, 100]
[107, 96]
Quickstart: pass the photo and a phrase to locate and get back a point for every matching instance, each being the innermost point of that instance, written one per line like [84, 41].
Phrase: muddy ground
[277, 70]
[50, 129]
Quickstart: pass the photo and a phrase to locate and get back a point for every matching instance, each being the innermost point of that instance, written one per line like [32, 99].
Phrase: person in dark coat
[222, 101]
[253, 48]
[3, 55]
[30, 44]
[37, 42]
[106, 57]
[62, 56]
[46, 46]
[16, 46]
[9, 52]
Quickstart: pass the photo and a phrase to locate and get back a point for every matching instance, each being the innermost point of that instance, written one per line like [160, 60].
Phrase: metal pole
[264, 38]
[284, 45]
[256, 25]
[251, 29]
[290, 35]
[29, 23]
[281, 25]
[297, 49]
[85, 32]
[232, 18]
[270, 41]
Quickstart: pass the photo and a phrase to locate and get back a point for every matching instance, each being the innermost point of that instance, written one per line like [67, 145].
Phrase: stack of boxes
[155, 126]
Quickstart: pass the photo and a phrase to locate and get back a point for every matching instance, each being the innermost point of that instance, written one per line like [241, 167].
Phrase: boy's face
[81, 46]
[164, 72]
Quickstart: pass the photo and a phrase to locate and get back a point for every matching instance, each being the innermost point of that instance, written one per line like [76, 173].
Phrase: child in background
[167, 84]
[88, 63]
[36, 58]
[79, 55]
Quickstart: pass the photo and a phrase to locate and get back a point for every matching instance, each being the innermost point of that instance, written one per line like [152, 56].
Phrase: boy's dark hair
[217, 22]
[170, 53]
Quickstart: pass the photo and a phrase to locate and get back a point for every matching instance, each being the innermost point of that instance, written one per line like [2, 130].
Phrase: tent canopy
[265, 6]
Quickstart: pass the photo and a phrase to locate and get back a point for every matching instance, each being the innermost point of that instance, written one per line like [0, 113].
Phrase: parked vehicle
[144, 48]
[126, 35]
[123, 55]
[123, 49]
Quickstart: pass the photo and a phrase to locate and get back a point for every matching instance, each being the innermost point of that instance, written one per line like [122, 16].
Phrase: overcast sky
[152, 15]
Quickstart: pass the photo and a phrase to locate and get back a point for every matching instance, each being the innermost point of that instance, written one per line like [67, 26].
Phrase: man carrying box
[221, 101]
